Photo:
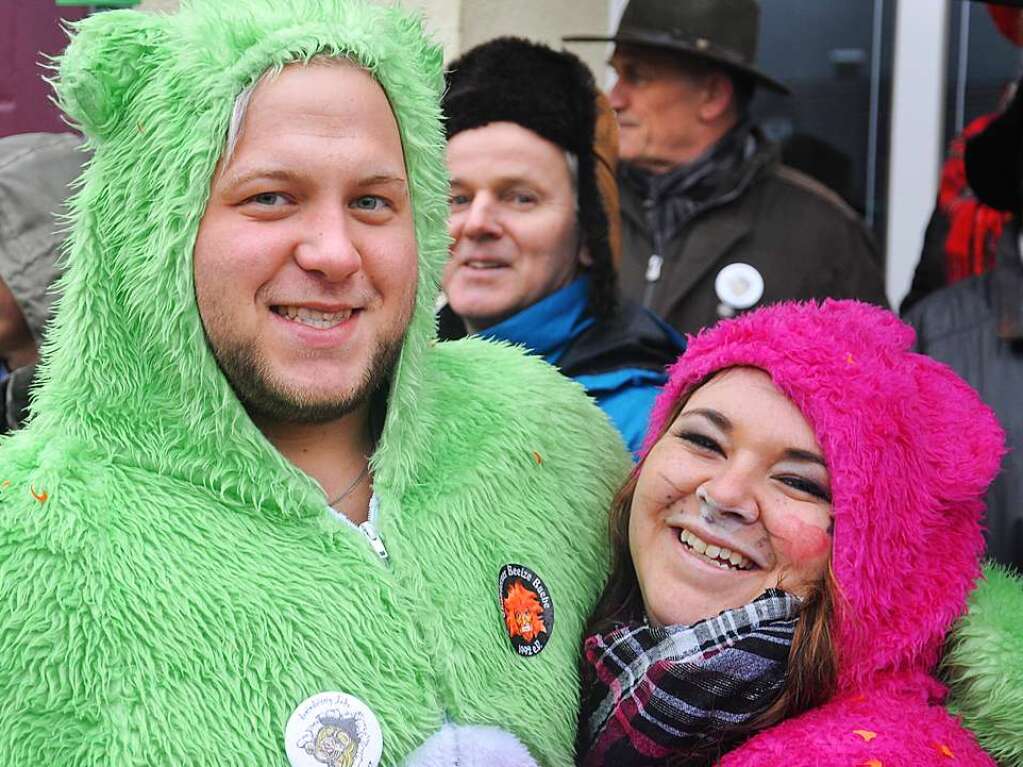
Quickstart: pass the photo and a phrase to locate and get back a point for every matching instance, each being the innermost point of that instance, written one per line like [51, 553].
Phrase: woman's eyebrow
[714, 416]
[796, 454]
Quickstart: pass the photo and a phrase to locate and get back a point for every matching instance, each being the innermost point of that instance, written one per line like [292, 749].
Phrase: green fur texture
[170, 587]
[984, 665]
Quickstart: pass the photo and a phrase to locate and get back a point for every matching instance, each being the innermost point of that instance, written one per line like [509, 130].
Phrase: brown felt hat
[721, 31]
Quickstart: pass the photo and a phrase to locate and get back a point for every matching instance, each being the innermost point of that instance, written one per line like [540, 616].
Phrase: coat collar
[716, 234]
[549, 326]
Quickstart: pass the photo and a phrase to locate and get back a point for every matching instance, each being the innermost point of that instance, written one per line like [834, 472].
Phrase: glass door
[836, 56]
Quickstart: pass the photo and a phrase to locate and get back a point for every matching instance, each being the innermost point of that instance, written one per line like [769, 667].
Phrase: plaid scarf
[661, 692]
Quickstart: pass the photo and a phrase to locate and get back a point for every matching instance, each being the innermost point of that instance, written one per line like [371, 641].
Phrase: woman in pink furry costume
[803, 530]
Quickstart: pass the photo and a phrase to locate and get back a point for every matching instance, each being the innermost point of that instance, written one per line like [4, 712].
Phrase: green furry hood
[984, 665]
[128, 370]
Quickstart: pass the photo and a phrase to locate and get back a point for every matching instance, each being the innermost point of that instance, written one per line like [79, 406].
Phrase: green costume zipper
[367, 528]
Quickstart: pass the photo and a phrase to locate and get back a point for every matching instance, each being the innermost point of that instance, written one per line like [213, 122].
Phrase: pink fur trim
[899, 722]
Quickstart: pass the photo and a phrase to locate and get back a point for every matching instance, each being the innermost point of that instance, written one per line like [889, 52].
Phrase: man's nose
[329, 246]
[482, 218]
[617, 97]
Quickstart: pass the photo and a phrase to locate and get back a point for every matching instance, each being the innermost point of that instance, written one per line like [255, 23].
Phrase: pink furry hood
[910, 448]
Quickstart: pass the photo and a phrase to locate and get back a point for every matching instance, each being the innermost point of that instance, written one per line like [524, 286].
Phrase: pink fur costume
[910, 450]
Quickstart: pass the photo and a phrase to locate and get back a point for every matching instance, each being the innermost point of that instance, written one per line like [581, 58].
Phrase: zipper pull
[374, 539]
[653, 268]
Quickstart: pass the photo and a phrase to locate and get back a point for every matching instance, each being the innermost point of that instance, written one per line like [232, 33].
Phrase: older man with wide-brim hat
[713, 223]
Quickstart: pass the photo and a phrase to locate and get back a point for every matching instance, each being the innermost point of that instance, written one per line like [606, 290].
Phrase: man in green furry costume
[984, 665]
[260, 516]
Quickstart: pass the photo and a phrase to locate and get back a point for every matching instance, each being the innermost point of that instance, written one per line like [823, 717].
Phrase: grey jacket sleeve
[15, 397]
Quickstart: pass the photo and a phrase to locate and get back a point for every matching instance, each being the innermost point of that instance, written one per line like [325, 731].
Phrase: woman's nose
[727, 500]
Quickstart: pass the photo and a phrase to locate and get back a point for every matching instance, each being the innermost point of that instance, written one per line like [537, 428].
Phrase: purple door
[28, 32]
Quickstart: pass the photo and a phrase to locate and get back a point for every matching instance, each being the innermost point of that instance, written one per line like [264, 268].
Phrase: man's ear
[717, 98]
[108, 61]
[585, 259]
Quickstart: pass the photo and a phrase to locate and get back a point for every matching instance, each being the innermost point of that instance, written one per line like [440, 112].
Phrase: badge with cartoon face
[333, 729]
[527, 608]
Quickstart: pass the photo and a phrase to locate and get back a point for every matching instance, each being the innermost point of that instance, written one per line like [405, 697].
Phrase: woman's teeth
[312, 317]
[726, 559]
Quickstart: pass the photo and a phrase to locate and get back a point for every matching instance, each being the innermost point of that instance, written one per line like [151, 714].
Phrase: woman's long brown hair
[812, 672]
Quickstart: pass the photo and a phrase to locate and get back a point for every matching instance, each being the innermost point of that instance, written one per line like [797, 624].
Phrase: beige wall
[462, 24]
[443, 19]
[540, 20]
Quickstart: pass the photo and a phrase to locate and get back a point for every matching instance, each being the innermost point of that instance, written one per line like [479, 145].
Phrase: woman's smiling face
[734, 499]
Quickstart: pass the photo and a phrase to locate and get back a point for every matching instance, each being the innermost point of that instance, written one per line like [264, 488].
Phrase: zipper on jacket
[374, 539]
[368, 528]
[653, 274]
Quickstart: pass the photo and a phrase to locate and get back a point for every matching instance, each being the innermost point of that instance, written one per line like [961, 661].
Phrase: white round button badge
[739, 286]
[333, 729]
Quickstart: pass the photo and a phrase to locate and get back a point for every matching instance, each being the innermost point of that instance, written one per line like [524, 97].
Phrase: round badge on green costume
[527, 608]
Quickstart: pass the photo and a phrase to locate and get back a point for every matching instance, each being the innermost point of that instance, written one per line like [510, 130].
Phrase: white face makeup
[732, 500]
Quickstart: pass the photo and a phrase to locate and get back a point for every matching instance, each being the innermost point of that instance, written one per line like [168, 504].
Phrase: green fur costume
[171, 588]
[984, 664]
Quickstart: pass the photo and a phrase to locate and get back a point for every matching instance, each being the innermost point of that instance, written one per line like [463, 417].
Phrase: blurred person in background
[962, 235]
[976, 325]
[713, 223]
[534, 210]
[36, 171]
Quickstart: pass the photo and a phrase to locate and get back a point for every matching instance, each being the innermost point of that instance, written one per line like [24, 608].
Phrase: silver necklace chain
[348, 490]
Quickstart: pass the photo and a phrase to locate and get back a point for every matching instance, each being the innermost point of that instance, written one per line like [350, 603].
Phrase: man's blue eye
[267, 198]
[369, 202]
[517, 197]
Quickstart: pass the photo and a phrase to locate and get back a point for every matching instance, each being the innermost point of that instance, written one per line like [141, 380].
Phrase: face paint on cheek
[800, 541]
[670, 493]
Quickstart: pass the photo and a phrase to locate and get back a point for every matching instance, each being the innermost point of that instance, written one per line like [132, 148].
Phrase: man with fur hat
[531, 152]
[713, 224]
[36, 172]
[261, 516]
[976, 325]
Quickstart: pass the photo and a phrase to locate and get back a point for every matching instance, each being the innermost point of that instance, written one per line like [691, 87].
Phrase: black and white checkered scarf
[661, 692]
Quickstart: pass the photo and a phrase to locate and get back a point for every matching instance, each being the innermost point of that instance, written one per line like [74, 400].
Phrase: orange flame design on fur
[523, 613]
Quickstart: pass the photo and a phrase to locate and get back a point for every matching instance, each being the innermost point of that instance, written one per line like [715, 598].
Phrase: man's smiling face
[306, 261]
[513, 224]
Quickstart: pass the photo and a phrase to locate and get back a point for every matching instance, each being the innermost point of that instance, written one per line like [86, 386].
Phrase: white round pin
[333, 729]
[739, 286]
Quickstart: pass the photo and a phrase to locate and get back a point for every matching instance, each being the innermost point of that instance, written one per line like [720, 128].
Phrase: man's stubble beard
[267, 399]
